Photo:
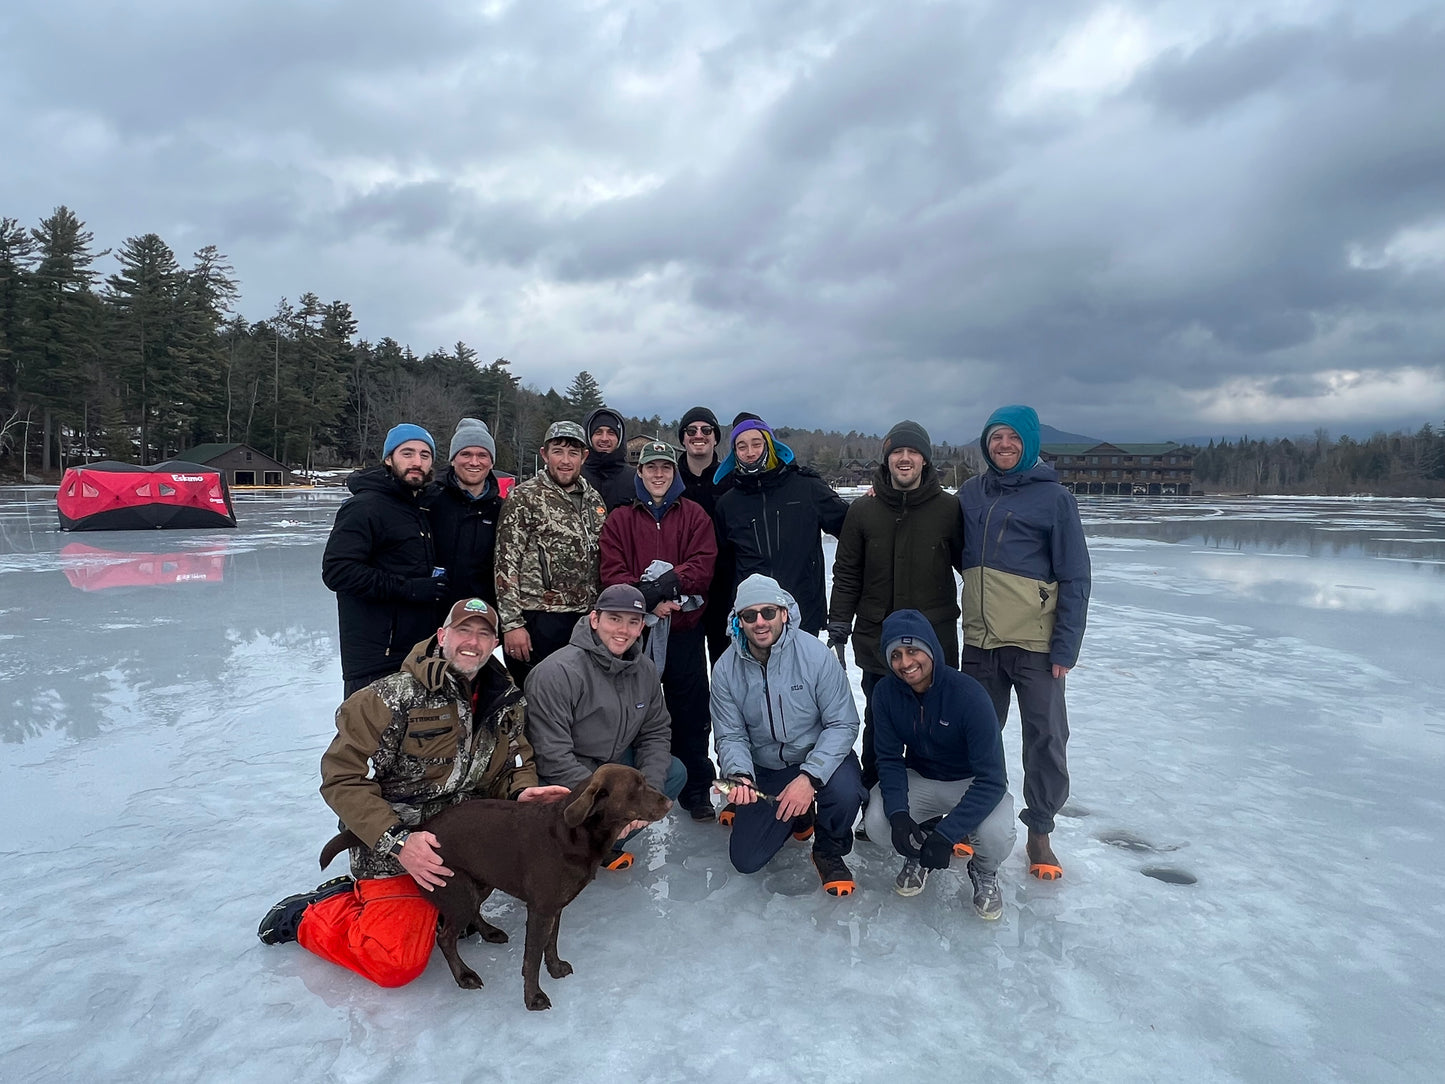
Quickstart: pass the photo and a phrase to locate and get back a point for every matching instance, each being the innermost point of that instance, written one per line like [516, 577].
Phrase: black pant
[1042, 718]
[685, 689]
[757, 833]
[870, 756]
[549, 631]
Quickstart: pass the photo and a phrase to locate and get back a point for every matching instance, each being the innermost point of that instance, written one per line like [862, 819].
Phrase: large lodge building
[1123, 470]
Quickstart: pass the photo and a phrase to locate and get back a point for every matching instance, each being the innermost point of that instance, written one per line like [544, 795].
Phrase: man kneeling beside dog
[449, 727]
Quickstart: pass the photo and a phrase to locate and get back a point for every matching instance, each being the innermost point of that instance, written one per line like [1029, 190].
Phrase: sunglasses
[768, 613]
[699, 431]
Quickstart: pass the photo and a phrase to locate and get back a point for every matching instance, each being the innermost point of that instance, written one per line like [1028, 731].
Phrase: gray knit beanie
[472, 433]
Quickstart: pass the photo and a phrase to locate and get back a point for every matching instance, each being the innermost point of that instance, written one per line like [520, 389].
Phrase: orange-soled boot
[837, 878]
[727, 814]
[803, 826]
[618, 860]
[1042, 863]
[963, 848]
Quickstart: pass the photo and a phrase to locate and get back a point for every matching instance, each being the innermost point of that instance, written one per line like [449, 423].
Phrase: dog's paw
[559, 970]
[469, 980]
[538, 1001]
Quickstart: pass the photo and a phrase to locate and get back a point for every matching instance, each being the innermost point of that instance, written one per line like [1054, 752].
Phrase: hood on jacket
[760, 590]
[586, 639]
[908, 625]
[379, 479]
[730, 463]
[589, 423]
[1024, 421]
[669, 498]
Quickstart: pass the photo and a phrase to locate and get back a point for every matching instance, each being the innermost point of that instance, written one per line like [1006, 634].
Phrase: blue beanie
[400, 434]
[1024, 421]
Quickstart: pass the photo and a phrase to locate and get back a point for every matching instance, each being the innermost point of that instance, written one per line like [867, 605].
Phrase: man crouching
[447, 728]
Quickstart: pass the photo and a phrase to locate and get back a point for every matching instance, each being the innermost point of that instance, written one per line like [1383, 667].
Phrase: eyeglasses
[699, 431]
[767, 613]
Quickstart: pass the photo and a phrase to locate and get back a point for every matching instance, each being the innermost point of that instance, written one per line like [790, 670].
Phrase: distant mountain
[1049, 435]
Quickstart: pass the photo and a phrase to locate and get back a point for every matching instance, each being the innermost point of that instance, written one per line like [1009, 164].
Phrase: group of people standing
[639, 611]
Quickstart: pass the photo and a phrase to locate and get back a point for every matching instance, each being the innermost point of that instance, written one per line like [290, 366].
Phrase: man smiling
[598, 700]
[464, 506]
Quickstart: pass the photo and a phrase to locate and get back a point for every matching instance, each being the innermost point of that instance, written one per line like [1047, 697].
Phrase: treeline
[1387, 464]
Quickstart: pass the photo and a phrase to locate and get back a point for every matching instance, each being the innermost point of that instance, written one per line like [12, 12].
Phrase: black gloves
[907, 836]
[838, 633]
[662, 589]
[425, 589]
[936, 851]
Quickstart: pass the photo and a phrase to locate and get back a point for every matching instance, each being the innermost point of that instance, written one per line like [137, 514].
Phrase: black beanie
[908, 434]
[699, 414]
[744, 416]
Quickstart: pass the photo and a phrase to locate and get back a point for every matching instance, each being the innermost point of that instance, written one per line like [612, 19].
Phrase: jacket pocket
[430, 735]
[544, 568]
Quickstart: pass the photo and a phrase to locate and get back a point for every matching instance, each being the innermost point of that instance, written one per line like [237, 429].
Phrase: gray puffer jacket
[586, 707]
[796, 709]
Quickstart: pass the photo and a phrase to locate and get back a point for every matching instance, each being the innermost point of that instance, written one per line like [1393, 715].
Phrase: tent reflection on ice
[110, 496]
[91, 569]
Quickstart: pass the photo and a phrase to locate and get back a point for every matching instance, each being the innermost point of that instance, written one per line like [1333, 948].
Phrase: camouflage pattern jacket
[433, 739]
[547, 549]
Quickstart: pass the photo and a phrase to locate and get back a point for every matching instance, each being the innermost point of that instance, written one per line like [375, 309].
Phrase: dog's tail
[339, 842]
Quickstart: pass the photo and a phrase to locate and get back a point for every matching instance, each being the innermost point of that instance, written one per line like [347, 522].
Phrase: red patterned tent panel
[110, 496]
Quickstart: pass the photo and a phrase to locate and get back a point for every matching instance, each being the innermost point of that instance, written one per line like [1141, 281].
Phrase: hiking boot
[725, 818]
[618, 859]
[803, 826]
[837, 878]
[910, 878]
[1042, 863]
[702, 811]
[963, 848]
[281, 922]
[987, 899]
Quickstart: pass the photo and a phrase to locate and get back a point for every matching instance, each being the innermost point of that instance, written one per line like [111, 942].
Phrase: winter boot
[837, 878]
[803, 825]
[1042, 863]
[281, 922]
[617, 859]
[910, 878]
[725, 818]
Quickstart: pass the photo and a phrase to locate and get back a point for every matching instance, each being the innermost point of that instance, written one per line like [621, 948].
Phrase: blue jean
[757, 833]
[672, 787]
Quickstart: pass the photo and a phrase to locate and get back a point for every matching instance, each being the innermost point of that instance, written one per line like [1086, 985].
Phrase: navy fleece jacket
[950, 732]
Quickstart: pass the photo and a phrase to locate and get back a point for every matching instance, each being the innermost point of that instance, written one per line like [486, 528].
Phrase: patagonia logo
[906, 640]
[796, 688]
[943, 722]
[641, 706]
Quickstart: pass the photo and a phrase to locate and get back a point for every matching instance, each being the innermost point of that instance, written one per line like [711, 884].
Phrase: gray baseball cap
[620, 598]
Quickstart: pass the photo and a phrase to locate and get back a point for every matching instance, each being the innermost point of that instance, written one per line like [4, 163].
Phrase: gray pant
[993, 840]
[1042, 717]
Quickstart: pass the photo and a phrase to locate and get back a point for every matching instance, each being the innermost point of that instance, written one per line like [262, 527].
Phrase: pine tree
[583, 396]
[144, 300]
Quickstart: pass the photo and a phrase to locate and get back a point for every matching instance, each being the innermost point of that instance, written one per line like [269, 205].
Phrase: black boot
[281, 922]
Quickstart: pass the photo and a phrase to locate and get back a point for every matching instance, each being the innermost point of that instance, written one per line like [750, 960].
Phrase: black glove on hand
[907, 836]
[936, 851]
[426, 589]
[651, 595]
[838, 633]
[667, 583]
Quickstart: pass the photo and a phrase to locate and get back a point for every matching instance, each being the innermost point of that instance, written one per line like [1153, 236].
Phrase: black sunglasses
[699, 431]
[747, 617]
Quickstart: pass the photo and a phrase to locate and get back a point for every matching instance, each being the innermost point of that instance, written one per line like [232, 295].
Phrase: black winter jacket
[464, 529]
[772, 523]
[898, 550]
[377, 560]
[610, 473]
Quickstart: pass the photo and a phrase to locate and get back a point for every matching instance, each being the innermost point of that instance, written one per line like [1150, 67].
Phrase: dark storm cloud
[929, 209]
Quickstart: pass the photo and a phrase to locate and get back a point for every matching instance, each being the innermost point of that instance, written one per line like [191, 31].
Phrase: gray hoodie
[586, 707]
[795, 710]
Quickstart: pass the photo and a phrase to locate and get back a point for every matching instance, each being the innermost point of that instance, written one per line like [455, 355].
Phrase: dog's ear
[582, 804]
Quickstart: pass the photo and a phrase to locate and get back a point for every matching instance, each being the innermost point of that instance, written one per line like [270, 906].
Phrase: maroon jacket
[632, 539]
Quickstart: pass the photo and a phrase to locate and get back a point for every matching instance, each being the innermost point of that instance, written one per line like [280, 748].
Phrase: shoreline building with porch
[1123, 470]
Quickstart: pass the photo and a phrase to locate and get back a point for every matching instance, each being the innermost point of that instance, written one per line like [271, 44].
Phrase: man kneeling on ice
[942, 785]
[784, 723]
[447, 728]
[598, 701]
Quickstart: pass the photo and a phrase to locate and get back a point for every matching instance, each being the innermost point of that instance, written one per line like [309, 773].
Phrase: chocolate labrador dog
[543, 853]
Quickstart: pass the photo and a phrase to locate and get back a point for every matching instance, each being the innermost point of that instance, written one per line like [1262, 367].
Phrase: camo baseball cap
[467, 608]
[565, 431]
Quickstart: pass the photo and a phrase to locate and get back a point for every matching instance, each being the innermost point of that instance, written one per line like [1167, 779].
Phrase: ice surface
[1258, 707]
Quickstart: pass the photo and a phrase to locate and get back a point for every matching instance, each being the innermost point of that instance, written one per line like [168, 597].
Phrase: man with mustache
[380, 560]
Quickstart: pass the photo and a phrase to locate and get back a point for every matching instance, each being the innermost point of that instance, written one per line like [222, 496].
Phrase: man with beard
[606, 466]
[547, 551]
[699, 432]
[1026, 581]
[771, 522]
[381, 563]
[898, 550]
[464, 505]
[447, 728]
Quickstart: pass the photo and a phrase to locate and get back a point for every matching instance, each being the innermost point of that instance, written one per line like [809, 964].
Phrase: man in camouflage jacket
[448, 727]
[547, 574]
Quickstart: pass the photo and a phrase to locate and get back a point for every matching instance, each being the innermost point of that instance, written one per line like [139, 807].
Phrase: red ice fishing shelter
[109, 496]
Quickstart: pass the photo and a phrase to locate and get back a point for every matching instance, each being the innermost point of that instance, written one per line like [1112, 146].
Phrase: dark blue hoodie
[950, 732]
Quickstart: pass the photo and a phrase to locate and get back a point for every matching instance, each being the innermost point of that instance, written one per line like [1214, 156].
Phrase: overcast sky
[1148, 220]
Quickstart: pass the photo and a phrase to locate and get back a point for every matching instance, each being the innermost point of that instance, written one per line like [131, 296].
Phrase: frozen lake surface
[1259, 713]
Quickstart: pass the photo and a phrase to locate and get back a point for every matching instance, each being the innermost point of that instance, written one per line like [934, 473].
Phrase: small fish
[725, 787]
